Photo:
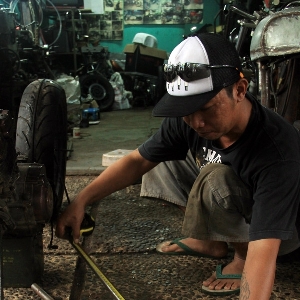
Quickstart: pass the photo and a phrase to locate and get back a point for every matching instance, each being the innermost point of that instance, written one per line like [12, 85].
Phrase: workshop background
[78, 82]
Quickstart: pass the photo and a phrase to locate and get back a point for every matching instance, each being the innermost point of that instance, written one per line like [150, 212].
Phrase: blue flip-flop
[186, 250]
[222, 292]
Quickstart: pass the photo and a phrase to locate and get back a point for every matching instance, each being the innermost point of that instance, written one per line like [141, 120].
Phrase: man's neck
[243, 119]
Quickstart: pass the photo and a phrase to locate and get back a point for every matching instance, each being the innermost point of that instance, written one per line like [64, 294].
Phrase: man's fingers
[67, 233]
[60, 230]
[76, 233]
[68, 227]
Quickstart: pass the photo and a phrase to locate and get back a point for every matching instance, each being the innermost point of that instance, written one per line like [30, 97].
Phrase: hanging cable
[14, 4]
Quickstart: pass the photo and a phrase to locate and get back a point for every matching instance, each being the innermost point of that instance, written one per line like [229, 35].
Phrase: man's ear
[241, 88]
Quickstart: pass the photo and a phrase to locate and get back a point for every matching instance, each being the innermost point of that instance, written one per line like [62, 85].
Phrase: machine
[33, 142]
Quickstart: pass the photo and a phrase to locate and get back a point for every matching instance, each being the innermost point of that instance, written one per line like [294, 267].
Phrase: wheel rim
[97, 91]
[99, 88]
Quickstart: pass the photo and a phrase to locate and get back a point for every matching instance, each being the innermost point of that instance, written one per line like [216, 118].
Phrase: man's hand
[70, 221]
[119, 175]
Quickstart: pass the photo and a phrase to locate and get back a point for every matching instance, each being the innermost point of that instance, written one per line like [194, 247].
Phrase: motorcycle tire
[41, 134]
[99, 89]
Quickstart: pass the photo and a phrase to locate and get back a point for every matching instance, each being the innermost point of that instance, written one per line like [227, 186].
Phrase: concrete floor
[125, 129]
[128, 228]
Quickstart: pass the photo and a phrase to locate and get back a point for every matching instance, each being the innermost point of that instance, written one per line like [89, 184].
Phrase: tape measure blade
[97, 271]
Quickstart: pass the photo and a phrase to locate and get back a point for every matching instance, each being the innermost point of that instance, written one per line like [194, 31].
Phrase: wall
[168, 36]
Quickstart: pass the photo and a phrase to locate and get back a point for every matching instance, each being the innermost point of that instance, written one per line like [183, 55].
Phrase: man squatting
[234, 165]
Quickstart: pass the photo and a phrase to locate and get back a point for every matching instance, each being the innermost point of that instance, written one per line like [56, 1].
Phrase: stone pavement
[123, 246]
[128, 228]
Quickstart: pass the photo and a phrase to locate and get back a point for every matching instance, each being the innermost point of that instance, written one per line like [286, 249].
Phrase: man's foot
[215, 284]
[190, 246]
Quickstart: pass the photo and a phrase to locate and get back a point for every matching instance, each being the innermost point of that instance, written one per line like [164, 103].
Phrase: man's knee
[220, 169]
[223, 178]
[218, 184]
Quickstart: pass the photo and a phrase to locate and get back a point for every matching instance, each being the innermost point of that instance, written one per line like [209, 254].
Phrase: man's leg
[171, 181]
[217, 195]
[218, 206]
[215, 215]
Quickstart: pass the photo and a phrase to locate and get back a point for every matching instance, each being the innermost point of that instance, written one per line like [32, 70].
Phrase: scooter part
[99, 88]
[41, 135]
[40, 292]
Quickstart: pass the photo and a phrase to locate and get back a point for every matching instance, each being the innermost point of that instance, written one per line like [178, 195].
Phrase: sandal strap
[186, 248]
[219, 274]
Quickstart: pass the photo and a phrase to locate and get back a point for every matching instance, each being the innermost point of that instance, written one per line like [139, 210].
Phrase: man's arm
[119, 175]
[259, 271]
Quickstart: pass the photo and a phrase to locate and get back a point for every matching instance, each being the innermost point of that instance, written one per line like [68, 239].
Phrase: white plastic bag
[71, 86]
[121, 96]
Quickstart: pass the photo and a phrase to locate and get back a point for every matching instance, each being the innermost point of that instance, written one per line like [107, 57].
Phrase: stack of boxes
[142, 56]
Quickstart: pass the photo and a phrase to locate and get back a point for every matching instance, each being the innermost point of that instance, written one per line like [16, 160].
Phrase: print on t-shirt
[207, 156]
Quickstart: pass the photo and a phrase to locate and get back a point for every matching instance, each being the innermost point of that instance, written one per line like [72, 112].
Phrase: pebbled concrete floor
[128, 228]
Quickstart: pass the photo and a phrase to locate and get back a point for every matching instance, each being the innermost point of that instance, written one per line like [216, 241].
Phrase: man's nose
[194, 120]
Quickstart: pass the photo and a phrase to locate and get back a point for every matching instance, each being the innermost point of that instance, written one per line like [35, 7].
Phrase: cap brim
[180, 106]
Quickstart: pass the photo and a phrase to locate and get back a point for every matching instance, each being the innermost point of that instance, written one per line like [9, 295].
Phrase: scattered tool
[87, 227]
[40, 292]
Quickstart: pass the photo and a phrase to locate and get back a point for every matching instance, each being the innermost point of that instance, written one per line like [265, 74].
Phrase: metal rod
[40, 292]
[96, 270]
[243, 13]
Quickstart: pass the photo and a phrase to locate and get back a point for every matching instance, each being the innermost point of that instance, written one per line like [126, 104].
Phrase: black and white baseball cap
[184, 98]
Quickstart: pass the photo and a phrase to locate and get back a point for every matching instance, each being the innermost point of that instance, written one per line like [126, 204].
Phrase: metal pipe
[243, 13]
[40, 292]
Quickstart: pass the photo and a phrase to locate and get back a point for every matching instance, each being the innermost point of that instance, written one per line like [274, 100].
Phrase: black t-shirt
[266, 158]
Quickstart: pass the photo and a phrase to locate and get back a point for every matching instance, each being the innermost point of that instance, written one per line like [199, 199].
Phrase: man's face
[218, 117]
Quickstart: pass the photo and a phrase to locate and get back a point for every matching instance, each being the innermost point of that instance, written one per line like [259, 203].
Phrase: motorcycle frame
[275, 37]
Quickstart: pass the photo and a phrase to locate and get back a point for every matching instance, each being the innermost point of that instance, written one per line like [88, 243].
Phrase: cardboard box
[143, 59]
[94, 104]
[23, 261]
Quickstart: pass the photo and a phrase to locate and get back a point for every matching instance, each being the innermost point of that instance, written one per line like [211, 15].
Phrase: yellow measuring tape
[96, 270]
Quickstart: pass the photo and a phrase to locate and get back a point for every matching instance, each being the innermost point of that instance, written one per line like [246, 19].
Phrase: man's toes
[169, 248]
[209, 281]
[218, 285]
[165, 247]
[235, 285]
[226, 285]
